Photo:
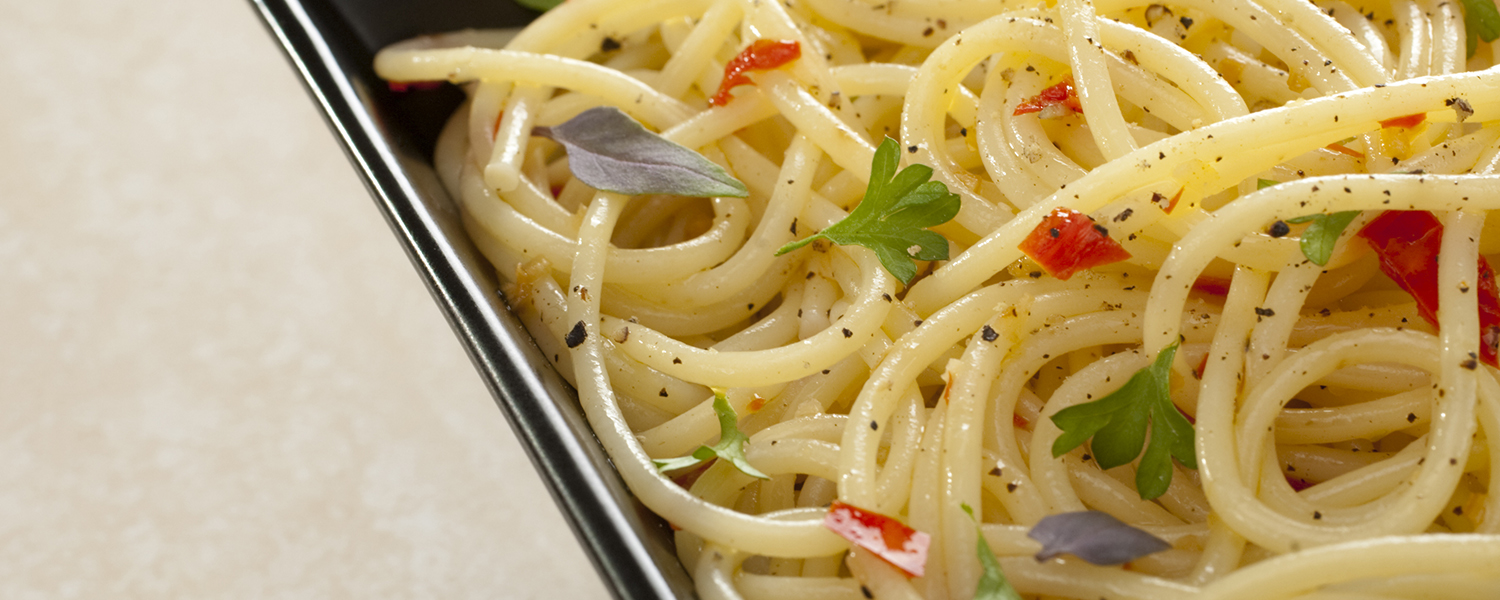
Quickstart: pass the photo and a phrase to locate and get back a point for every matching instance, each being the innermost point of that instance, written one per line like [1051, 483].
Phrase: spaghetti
[1341, 391]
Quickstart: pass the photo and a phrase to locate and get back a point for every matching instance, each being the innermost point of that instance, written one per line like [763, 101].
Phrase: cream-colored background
[219, 375]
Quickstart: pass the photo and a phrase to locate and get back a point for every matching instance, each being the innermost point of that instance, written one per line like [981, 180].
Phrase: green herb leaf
[731, 446]
[611, 151]
[1118, 421]
[1261, 184]
[992, 582]
[539, 5]
[1320, 237]
[894, 216]
[1481, 21]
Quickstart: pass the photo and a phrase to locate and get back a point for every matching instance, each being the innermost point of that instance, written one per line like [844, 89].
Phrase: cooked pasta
[1341, 411]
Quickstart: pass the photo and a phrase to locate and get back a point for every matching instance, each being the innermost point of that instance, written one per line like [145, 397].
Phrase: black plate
[389, 138]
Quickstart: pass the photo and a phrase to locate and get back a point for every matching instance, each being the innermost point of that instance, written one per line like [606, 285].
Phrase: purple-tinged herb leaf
[1093, 536]
[612, 152]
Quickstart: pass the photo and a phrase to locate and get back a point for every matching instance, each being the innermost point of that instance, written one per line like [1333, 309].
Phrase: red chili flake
[901, 546]
[1202, 368]
[1298, 483]
[1407, 244]
[1019, 421]
[495, 131]
[1342, 149]
[756, 403]
[1183, 412]
[1170, 204]
[1061, 94]
[1407, 121]
[1214, 286]
[762, 55]
[403, 86]
[1068, 241]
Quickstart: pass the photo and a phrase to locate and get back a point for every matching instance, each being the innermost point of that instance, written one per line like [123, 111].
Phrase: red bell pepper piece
[1407, 121]
[1061, 94]
[901, 546]
[1166, 205]
[1198, 372]
[1068, 241]
[1213, 286]
[403, 86]
[1407, 244]
[1342, 149]
[762, 55]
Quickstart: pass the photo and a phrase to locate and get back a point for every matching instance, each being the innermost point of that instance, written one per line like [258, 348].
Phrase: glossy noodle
[1339, 444]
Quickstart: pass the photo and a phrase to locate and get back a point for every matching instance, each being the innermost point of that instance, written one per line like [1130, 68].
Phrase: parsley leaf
[731, 446]
[992, 583]
[1261, 184]
[1117, 422]
[1319, 237]
[539, 5]
[893, 217]
[1481, 21]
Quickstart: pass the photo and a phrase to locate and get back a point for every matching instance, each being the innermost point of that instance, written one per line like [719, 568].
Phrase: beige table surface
[220, 376]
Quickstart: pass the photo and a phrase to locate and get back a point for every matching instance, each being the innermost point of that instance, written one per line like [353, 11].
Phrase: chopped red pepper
[1061, 94]
[1407, 244]
[1298, 484]
[1214, 286]
[686, 480]
[1190, 418]
[1068, 241]
[1019, 421]
[1407, 121]
[402, 86]
[762, 55]
[1166, 205]
[1198, 372]
[1342, 149]
[901, 546]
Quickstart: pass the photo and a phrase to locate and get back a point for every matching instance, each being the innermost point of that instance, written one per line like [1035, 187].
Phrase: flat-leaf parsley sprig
[1319, 238]
[993, 584]
[731, 446]
[894, 216]
[1118, 421]
[1481, 22]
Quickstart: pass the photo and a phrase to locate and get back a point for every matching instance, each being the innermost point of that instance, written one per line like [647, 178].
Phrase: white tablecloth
[219, 375]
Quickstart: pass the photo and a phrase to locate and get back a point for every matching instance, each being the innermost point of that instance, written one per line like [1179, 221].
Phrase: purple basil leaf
[1093, 536]
[612, 152]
